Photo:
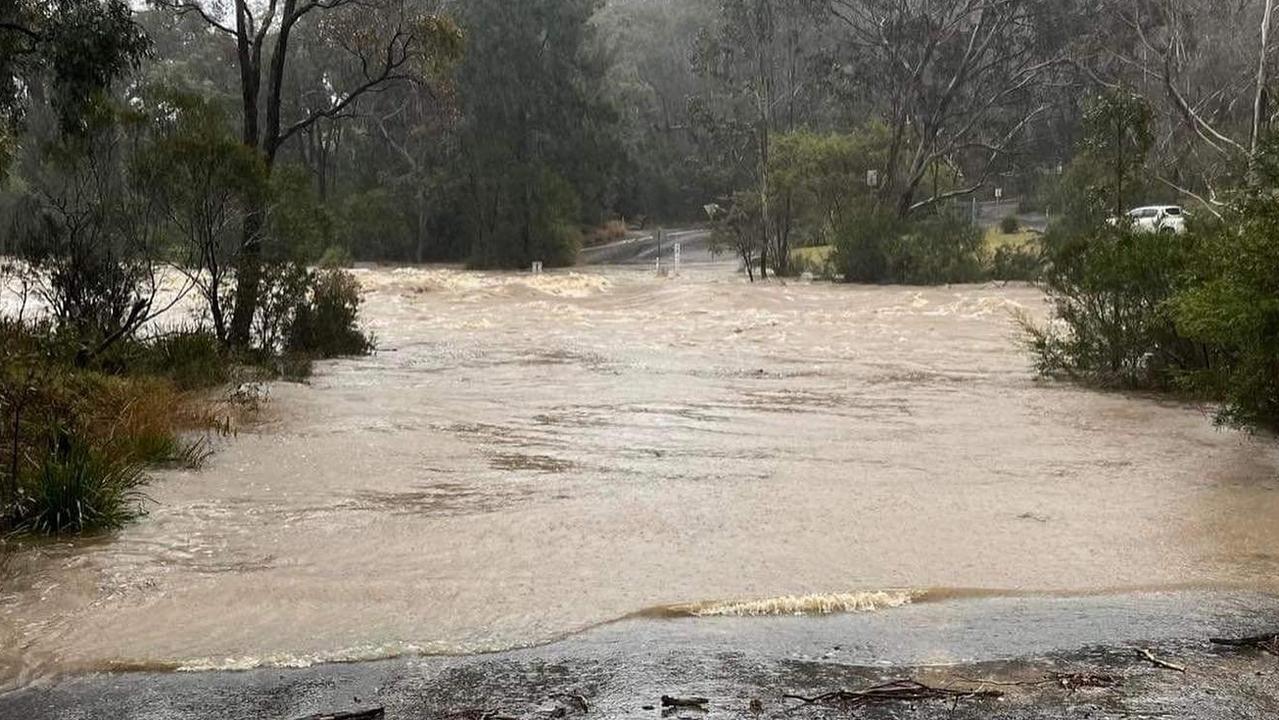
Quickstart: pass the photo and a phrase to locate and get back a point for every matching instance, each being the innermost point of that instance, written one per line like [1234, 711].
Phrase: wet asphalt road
[622, 669]
[643, 249]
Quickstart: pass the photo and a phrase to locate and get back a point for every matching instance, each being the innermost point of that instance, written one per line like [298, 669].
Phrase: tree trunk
[248, 265]
[1259, 113]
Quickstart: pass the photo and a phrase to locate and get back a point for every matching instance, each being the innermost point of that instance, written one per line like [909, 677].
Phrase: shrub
[1231, 306]
[191, 357]
[1111, 292]
[876, 247]
[73, 440]
[941, 248]
[326, 324]
[79, 489]
[1009, 225]
[284, 287]
[1020, 262]
[861, 246]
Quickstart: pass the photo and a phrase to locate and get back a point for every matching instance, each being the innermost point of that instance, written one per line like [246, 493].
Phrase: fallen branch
[1160, 663]
[689, 702]
[1265, 643]
[896, 691]
[374, 714]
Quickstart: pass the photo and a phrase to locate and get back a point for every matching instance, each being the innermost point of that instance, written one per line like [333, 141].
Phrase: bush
[942, 248]
[1111, 292]
[1231, 306]
[861, 246]
[876, 247]
[1016, 263]
[327, 324]
[191, 357]
[73, 440]
[79, 489]
[1009, 225]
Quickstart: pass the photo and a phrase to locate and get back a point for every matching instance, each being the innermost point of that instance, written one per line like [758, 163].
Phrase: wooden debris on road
[896, 691]
[1160, 663]
[1080, 680]
[371, 714]
[1265, 643]
[688, 702]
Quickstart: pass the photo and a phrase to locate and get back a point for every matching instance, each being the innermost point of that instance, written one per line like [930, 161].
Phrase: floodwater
[527, 457]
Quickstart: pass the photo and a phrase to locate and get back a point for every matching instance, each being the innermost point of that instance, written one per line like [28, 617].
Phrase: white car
[1162, 219]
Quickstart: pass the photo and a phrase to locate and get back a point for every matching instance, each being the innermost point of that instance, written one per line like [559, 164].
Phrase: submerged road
[643, 249]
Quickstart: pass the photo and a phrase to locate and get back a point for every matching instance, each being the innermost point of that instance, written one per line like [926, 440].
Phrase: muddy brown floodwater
[526, 457]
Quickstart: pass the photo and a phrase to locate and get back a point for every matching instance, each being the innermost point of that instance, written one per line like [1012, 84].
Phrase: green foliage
[538, 141]
[79, 489]
[71, 50]
[1111, 291]
[1117, 138]
[823, 176]
[862, 245]
[876, 246]
[1231, 304]
[87, 233]
[327, 324]
[301, 226]
[191, 357]
[945, 247]
[1009, 225]
[74, 440]
[374, 225]
[1022, 262]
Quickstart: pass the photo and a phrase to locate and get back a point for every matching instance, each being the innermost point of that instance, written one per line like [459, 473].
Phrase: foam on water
[817, 604]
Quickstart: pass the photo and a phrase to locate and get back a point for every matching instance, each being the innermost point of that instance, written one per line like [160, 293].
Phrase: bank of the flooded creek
[528, 457]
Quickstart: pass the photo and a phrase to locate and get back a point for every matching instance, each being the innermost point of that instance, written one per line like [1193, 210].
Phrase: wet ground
[527, 459]
[1046, 657]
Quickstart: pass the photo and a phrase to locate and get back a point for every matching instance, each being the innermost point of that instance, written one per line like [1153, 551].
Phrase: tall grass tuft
[79, 489]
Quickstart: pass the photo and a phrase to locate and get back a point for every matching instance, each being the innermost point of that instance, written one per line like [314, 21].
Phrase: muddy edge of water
[526, 457]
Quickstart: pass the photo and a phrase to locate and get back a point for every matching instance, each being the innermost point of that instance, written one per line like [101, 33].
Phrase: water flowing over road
[529, 456]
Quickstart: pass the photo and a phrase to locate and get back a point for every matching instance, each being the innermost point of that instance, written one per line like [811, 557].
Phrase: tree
[66, 53]
[765, 56]
[205, 183]
[963, 80]
[1208, 81]
[1117, 137]
[383, 42]
[537, 144]
[88, 235]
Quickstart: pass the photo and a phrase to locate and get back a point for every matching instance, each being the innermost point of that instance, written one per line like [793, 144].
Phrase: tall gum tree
[962, 82]
[384, 42]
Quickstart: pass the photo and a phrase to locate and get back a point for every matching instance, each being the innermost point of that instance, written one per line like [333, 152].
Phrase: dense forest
[254, 148]
[502, 132]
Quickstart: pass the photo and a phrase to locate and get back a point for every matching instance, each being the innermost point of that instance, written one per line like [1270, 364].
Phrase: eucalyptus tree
[769, 62]
[1206, 67]
[962, 81]
[382, 42]
[537, 144]
[66, 54]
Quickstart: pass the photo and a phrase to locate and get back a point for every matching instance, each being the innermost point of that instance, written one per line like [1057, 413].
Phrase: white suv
[1162, 219]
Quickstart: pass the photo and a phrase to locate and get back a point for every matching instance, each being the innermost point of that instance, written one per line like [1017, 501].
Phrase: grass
[817, 256]
[80, 489]
[996, 238]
